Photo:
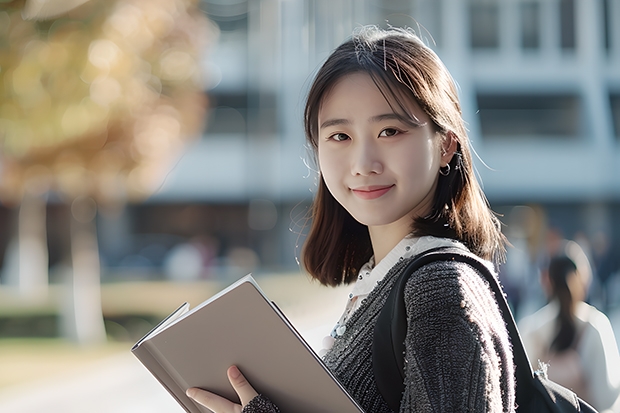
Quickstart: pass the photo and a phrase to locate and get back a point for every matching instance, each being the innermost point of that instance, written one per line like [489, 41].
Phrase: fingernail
[234, 372]
[191, 392]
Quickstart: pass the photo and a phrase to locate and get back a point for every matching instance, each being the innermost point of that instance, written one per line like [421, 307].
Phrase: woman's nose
[366, 160]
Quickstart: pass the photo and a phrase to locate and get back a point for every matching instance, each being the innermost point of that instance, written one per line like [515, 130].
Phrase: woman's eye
[339, 137]
[389, 132]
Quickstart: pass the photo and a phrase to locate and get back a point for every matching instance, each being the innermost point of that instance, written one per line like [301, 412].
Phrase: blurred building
[540, 89]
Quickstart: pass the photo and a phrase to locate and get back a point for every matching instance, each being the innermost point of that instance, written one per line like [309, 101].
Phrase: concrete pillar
[591, 55]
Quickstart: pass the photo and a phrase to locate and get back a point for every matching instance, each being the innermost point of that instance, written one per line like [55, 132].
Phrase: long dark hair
[400, 64]
[560, 269]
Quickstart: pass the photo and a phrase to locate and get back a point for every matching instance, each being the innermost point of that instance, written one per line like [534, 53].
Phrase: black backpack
[534, 392]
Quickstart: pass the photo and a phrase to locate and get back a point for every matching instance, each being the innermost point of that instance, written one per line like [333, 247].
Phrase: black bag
[534, 392]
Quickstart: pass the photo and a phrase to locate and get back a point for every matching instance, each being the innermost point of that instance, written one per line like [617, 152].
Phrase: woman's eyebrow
[414, 121]
[334, 122]
[386, 116]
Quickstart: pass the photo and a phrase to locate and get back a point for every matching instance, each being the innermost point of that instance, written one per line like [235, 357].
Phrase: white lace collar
[408, 247]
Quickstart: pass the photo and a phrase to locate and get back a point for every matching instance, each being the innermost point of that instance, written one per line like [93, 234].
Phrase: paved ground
[118, 384]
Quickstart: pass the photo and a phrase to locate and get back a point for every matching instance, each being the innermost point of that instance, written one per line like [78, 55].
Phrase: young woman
[575, 339]
[396, 179]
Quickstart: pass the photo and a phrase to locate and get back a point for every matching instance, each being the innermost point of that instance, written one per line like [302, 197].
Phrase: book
[240, 326]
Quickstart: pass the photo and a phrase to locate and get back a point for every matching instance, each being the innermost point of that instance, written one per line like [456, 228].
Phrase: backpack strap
[534, 392]
[391, 329]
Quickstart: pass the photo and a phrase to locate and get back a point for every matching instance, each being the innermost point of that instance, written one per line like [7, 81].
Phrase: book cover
[240, 326]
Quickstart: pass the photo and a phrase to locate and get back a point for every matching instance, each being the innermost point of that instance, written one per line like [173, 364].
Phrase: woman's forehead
[392, 97]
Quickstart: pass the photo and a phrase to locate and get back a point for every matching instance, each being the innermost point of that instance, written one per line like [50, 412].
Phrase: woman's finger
[212, 401]
[244, 390]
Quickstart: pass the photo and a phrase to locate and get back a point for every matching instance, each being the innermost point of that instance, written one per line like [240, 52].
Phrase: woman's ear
[448, 147]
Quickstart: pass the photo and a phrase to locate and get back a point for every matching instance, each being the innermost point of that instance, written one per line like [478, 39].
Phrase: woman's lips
[371, 192]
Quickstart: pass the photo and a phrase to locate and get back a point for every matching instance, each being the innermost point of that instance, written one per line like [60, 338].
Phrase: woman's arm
[251, 401]
[599, 351]
[457, 351]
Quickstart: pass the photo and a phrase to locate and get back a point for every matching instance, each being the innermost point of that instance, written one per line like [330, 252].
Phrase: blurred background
[153, 152]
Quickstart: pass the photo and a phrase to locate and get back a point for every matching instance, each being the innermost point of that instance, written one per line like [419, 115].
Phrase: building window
[423, 16]
[533, 115]
[567, 24]
[484, 24]
[607, 24]
[263, 113]
[614, 99]
[428, 21]
[530, 24]
[392, 13]
[227, 114]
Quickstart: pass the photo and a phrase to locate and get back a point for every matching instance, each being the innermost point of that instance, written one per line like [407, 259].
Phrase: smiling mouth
[371, 192]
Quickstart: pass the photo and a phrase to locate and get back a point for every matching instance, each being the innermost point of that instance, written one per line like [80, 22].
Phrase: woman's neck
[385, 237]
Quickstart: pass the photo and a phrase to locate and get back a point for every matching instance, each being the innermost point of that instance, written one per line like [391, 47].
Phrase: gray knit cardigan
[458, 356]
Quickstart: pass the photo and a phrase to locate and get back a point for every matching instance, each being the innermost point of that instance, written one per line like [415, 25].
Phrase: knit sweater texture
[458, 356]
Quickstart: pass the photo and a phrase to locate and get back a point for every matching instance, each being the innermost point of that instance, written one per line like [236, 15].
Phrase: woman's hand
[221, 405]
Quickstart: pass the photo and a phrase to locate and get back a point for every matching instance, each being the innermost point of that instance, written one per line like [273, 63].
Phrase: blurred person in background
[571, 339]
[606, 261]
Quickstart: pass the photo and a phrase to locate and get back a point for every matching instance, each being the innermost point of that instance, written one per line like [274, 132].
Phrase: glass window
[607, 22]
[423, 16]
[539, 116]
[615, 112]
[530, 24]
[484, 24]
[427, 14]
[567, 24]
[392, 13]
[227, 114]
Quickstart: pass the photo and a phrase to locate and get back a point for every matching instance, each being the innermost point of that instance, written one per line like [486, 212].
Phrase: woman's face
[381, 169]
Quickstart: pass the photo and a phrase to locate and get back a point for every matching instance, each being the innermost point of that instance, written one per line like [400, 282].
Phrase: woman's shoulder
[539, 326]
[595, 322]
[541, 317]
[449, 271]
[448, 281]
[591, 315]
[457, 296]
